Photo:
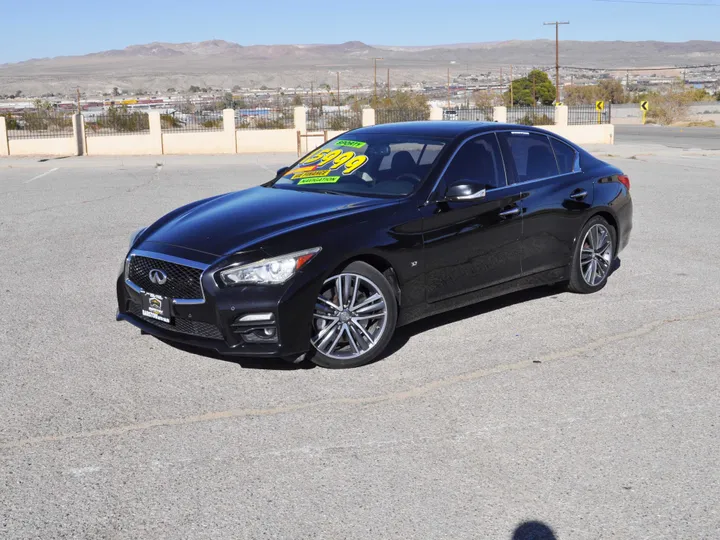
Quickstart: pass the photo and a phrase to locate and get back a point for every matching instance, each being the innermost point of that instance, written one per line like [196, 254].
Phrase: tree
[297, 100]
[528, 91]
[485, 98]
[171, 90]
[116, 91]
[194, 89]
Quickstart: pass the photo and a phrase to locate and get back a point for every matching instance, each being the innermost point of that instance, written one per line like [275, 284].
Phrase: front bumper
[214, 323]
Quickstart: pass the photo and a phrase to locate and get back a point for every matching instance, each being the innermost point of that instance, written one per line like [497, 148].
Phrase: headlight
[134, 235]
[273, 271]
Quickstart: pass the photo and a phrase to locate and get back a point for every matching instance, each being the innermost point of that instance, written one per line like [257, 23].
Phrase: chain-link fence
[117, 122]
[189, 123]
[276, 118]
[339, 119]
[543, 115]
[388, 116]
[582, 115]
[38, 124]
[477, 114]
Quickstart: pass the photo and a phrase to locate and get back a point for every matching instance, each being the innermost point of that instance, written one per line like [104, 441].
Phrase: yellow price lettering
[327, 158]
[341, 160]
[354, 164]
[315, 156]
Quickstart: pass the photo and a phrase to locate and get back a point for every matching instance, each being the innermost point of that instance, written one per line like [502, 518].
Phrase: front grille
[182, 281]
[182, 326]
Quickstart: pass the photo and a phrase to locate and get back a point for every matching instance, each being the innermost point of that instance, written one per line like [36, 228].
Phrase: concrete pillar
[500, 114]
[300, 117]
[561, 116]
[368, 117]
[229, 132]
[4, 146]
[436, 113]
[78, 124]
[156, 143]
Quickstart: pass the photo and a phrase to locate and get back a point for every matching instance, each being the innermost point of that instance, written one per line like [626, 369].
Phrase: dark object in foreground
[377, 228]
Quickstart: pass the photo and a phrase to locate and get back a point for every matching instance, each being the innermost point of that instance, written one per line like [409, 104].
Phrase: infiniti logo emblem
[157, 276]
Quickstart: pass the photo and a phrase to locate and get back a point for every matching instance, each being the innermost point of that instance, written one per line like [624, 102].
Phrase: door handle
[578, 195]
[510, 212]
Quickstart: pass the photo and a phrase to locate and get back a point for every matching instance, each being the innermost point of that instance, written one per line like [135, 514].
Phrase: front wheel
[354, 318]
[593, 257]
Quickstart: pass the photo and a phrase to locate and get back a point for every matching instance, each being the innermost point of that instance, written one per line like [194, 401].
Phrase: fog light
[269, 332]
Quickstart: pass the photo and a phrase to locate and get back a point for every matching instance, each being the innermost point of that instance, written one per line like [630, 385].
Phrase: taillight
[624, 180]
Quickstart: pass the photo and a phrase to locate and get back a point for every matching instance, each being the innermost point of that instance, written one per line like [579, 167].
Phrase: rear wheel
[593, 257]
[354, 318]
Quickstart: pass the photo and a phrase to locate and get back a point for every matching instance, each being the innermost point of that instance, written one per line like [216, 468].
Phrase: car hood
[229, 223]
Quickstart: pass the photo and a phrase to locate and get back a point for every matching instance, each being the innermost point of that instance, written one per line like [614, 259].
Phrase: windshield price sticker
[319, 180]
[310, 174]
[350, 144]
[336, 158]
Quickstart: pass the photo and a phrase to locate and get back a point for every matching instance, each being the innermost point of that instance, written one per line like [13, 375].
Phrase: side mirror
[282, 170]
[465, 190]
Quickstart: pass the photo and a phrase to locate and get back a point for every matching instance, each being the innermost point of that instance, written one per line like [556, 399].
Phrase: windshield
[370, 165]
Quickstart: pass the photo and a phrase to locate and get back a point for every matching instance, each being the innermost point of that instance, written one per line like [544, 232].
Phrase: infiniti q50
[375, 229]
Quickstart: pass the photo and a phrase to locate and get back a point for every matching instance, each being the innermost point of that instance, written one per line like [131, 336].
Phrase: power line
[654, 3]
[626, 68]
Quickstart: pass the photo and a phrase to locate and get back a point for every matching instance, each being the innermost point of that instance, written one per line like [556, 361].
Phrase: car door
[555, 196]
[475, 243]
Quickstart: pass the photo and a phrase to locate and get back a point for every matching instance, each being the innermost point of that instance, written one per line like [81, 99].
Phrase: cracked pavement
[596, 415]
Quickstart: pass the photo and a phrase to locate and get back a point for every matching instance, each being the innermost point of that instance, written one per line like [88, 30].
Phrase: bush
[536, 120]
[214, 123]
[168, 121]
[670, 106]
[10, 122]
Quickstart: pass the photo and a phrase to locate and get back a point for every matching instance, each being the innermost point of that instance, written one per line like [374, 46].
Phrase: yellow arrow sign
[599, 105]
[559, 104]
[644, 105]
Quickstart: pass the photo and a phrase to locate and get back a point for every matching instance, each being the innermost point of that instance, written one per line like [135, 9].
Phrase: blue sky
[40, 28]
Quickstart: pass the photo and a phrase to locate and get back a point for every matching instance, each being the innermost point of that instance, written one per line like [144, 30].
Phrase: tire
[356, 334]
[596, 243]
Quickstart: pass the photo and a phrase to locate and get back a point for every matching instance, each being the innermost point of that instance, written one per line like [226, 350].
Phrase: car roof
[450, 129]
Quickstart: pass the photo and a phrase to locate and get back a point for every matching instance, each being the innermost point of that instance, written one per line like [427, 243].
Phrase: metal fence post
[4, 144]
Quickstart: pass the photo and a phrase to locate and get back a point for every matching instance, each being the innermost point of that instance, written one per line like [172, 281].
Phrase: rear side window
[566, 156]
[528, 155]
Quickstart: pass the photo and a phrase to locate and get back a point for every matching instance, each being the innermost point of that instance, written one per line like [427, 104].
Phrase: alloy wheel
[597, 255]
[349, 318]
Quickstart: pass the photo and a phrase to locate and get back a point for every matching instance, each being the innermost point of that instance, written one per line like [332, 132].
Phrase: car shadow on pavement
[404, 333]
[533, 530]
[277, 364]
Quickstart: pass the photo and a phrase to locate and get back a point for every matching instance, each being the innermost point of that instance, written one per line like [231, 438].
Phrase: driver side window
[478, 161]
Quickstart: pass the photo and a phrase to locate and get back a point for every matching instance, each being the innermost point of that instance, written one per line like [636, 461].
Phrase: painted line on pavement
[41, 175]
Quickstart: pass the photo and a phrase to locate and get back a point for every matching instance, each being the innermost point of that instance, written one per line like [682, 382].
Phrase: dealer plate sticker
[156, 307]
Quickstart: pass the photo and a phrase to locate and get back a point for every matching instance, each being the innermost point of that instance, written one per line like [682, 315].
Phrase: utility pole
[338, 86]
[79, 110]
[388, 84]
[448, 89]
[312, 94]
[511, 87]
[557, 56]
[375, 81]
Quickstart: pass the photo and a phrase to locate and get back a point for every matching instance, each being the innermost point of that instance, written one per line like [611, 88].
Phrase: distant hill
[223, 64]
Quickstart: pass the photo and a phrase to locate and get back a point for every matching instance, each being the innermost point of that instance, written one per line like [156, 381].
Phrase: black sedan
[377, 228]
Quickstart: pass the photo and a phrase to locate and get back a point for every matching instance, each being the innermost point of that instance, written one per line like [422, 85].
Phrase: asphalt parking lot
[597, 415]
